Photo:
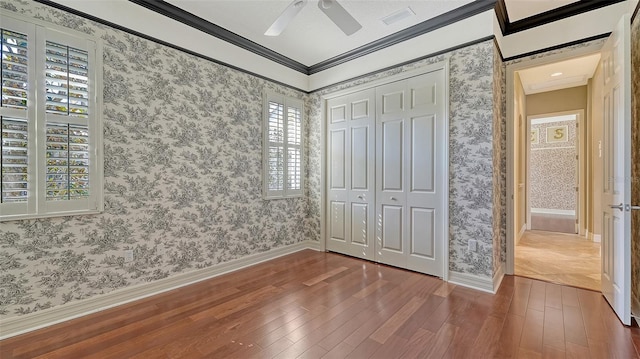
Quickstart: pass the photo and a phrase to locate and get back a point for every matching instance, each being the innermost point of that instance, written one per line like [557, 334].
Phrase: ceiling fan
[331, 8]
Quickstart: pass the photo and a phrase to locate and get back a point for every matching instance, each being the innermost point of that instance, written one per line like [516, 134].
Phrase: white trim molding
[498, 276]
[473, 281]
[560, 212]
[635, 310]
[25, 323]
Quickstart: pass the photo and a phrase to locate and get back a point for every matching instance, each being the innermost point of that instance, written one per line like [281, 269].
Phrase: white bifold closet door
[410, 143]
[351, 173]
[387, 173]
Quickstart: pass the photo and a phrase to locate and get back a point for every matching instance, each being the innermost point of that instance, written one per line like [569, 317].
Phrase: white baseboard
[472, 281]
[25, 323]
[497, 277]
[315, 245]
[521, 233]
[635, 309]
[597, 238]
[560, 212]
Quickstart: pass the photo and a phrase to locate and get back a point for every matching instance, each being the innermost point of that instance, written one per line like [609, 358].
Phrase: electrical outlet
[473, 245]
[128, 255]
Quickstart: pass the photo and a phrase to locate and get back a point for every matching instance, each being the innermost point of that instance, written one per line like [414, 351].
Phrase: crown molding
[448, 18]
[553, 15]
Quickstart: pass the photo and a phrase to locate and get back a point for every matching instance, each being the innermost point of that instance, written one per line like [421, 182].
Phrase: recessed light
[398, 15]
[556, 74]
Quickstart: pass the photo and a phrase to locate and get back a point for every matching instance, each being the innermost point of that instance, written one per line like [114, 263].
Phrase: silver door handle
[393, 198]
[635, 207]
[620, 207]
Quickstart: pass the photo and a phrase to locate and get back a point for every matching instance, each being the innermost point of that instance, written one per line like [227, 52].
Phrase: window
[283, 149]
[50, 122]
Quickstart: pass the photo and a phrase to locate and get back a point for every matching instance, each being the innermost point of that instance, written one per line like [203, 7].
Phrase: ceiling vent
[398, 15]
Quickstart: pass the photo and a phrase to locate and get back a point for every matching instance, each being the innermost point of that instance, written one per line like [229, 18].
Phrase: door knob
[620, 207]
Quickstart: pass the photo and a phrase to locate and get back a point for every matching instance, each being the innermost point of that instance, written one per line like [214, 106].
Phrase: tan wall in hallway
[520, 163]
[574, 98]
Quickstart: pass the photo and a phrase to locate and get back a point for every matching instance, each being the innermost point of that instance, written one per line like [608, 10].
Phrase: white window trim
[36, 206]
[286, 101]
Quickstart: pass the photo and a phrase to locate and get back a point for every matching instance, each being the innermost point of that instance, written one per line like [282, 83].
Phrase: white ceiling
[520, 9]
[311, 37]
[572, 73]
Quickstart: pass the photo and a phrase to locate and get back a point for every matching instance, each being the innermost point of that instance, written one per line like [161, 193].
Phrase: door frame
[580, 210]
[511, 68]
[441, 65]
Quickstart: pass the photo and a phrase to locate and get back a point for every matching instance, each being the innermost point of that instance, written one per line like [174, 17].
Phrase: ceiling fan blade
[339, 16]
[287, 15]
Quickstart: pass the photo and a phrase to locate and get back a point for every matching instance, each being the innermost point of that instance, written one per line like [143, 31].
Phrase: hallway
[559, 258]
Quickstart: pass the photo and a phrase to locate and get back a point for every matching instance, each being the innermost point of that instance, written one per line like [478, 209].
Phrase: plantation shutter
[49, 121]
[16, 109]
[283, 146]
[68, 167]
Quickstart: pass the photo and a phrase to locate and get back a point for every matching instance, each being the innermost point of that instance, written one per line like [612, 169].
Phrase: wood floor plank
[389, 327]
[350, 308]
[553, 296]
[574, 331]
[537, 295]
[442, 341]
[321, 277]
[532, 332]
[370, 289]
[488, 338]
[570, 296]
[340, 350]
[554, 329]
[418, 344]
[520, 299]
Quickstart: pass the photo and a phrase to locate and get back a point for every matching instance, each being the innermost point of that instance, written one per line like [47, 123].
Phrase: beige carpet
[559, 258]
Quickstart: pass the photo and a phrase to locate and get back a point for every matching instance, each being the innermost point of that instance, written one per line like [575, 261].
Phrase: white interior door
[350, 163]
[411, 173]
[616, 196]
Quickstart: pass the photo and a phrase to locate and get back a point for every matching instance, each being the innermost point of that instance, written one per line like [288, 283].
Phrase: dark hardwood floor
[322, 305]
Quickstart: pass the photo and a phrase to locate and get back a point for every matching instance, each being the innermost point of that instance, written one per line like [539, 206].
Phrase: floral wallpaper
[182, 179]
[471, 152]
[553, 168]
[635, 162]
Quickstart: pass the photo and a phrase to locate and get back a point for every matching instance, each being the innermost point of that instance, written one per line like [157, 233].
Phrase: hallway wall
[520, 155]
[553, 167]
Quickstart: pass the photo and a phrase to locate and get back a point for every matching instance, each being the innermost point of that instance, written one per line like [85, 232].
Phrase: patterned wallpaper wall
[182, 174]
[471, 151]
[635, 160]
[182, 141]
[553, 167]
